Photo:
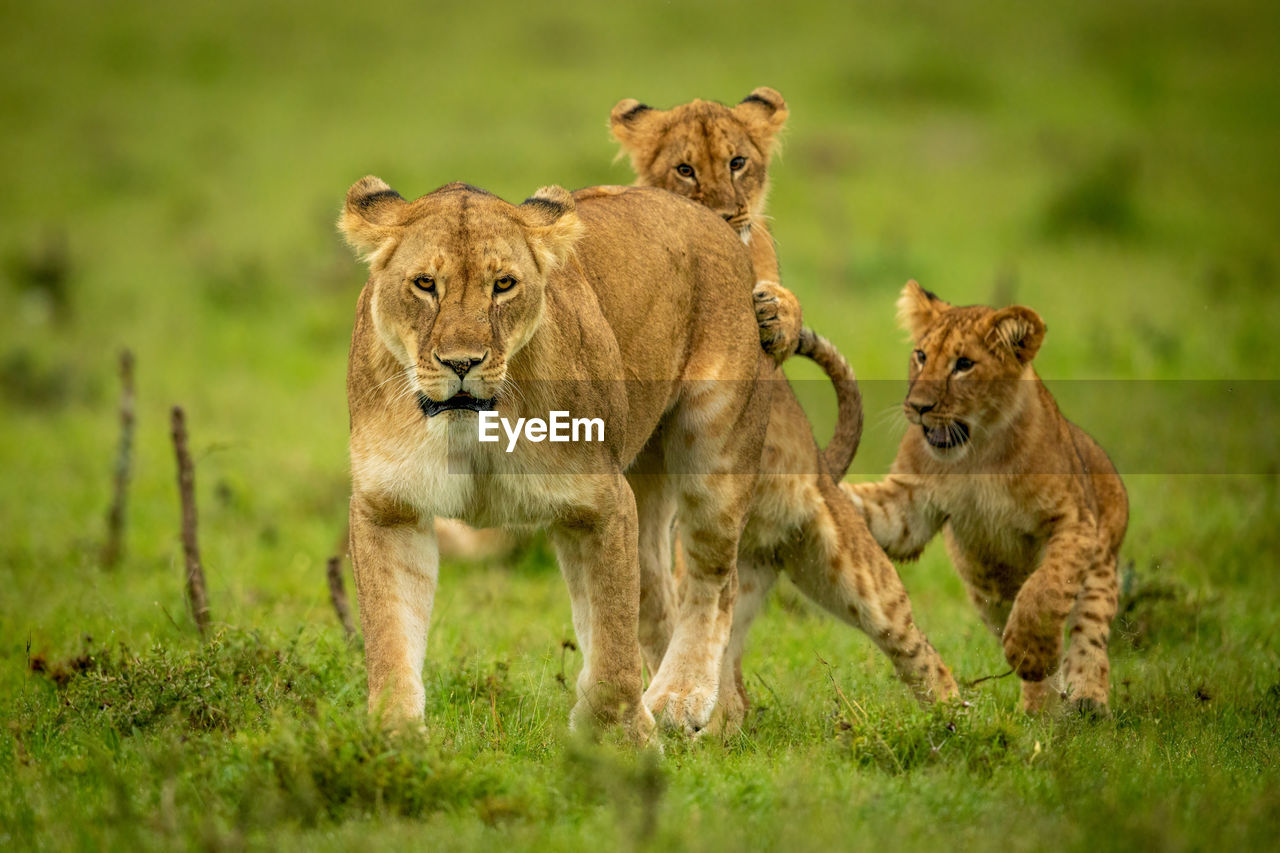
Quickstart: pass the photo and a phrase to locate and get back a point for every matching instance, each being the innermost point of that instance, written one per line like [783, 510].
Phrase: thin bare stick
[114, 546]
[338, 595]
[187, 490]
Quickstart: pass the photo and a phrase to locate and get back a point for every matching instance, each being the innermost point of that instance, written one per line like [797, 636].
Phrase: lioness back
[641, 250]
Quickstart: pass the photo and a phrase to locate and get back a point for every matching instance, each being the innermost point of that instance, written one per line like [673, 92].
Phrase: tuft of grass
[231, 682]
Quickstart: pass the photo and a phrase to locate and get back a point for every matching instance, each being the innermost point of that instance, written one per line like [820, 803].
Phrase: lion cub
[1030, 507]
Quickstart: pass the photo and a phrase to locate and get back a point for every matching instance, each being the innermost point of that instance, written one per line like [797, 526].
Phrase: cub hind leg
[836, 562]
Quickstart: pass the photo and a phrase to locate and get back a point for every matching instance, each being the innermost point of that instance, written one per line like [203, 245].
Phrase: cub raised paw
[779, 316]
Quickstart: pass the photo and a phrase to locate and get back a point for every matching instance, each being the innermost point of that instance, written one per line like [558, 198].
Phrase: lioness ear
[551, 218]
[1018, 330]
[631, 122]
[370, 216]
[917, 309]
[764, 112]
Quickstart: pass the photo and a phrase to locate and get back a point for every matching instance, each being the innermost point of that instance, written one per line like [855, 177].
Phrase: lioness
[1030, 507]
[800, 521]
[612, 303]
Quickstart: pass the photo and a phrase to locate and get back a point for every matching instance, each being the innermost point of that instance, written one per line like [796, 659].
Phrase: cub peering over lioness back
[719, 157]
[611, 303]
[1031, 509]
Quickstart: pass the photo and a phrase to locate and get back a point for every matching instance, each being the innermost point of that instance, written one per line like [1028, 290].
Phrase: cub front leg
[396, 563]
[1087, 667]
[1032, 637]
[597, 550]
[900, 519]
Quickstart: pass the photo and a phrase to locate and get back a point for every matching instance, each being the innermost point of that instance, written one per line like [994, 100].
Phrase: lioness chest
[438, 468]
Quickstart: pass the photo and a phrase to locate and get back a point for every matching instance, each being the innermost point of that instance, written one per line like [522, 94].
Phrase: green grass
[171, 185]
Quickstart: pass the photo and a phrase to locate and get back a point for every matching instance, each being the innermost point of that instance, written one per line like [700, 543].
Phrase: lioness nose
[921, 408]
[461, 364]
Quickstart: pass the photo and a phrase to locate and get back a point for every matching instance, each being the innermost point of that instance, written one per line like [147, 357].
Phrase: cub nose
[921, 408]
[461, 364]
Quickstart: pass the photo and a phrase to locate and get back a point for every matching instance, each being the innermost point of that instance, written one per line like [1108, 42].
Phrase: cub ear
[551, 218]
[764, 112]
[631, 122]
[917, 309]
[370, 216]
[1017, 330]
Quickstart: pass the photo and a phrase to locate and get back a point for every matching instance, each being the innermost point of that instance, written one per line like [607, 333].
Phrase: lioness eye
[503, 283]
[685, 170]
[963, 364]
[425, 283]
[737, 164]
[919, 354]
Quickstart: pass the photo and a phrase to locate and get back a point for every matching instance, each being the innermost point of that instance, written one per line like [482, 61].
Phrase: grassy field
[171, 183]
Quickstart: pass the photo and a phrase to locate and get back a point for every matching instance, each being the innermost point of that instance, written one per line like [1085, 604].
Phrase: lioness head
[965, 367]
[457, 281]
[716, 155]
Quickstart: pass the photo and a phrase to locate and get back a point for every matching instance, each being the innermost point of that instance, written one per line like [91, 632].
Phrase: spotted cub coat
[1031, 509]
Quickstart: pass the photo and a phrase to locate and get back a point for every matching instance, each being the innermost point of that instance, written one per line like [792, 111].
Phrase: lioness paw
[682, 709]
[778, 314]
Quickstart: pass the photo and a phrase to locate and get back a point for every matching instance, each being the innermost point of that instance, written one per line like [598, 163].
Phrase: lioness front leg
[396, 562]
[597, 554]
[1032, 637]
[684, 690]
[713, 460]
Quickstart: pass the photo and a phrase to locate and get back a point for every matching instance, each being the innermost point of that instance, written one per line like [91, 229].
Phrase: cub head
[716, 155]
[457, 281]
[965, 368]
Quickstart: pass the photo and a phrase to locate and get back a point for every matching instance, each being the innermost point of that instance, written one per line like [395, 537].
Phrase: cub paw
[1032, 644]
[778, 315]
[1089, 708]
[682, 709]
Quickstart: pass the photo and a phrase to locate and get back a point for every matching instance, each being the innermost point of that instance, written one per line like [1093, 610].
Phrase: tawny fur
[800, 521]
[1031, 509]
[719, 156]
[616, 303]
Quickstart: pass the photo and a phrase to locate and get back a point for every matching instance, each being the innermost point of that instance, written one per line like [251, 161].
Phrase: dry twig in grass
[338, 595]
[114, 546]
[187, 490]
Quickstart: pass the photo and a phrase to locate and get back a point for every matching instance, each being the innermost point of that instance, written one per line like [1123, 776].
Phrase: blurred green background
[172, 176]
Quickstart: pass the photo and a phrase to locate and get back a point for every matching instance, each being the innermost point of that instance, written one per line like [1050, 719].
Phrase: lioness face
[966, 368]
[716, 155]
[457, 282]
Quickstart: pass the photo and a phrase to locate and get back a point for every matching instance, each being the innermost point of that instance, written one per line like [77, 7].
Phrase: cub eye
[425, 283]
[503, 283]
[919, 356]
[963, 364]
[737, 164]
[684, 170]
